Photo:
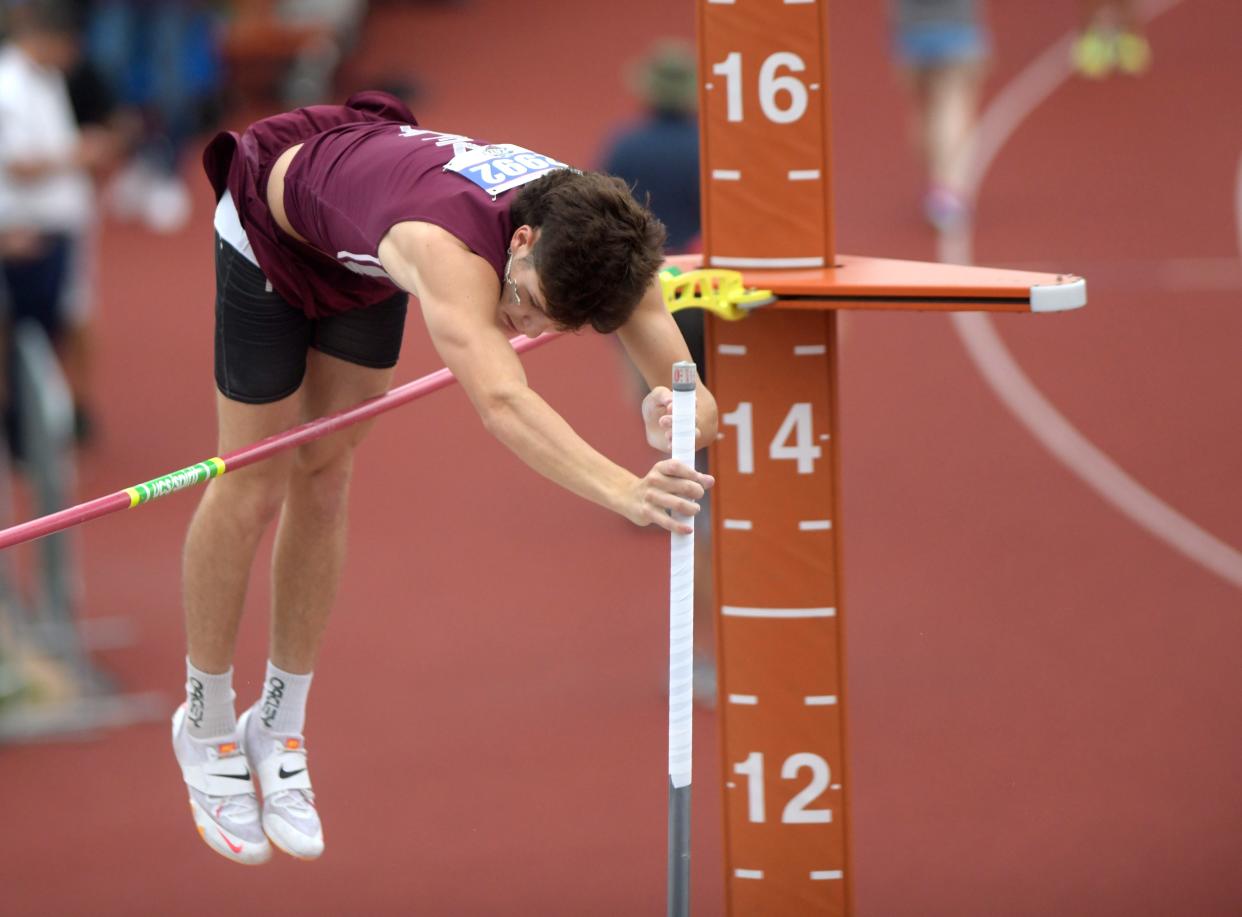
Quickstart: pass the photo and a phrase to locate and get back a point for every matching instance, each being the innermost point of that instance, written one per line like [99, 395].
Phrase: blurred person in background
[290, 50]
[113, 131]
[336, 24]
[658, 156]
[46, 198]
[160, 56]
[1110, 38]
[942, 49]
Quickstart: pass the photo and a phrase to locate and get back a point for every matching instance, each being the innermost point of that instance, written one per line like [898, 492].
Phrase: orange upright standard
[767, 211]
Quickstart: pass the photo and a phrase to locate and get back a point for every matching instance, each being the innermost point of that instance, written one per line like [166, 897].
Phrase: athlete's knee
[335, 450]
[322, 486]
[251, 496]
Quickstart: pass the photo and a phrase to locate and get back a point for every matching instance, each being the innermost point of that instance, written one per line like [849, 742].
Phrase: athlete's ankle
[209, 697]
[282, 708]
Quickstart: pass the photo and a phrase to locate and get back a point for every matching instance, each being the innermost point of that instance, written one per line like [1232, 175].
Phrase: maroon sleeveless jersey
[364, 167]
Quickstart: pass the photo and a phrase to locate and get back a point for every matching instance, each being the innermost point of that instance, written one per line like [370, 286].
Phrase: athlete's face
[521, 308]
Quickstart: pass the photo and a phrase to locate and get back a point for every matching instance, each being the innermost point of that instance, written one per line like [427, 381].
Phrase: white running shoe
[289, 815]
[222, 796]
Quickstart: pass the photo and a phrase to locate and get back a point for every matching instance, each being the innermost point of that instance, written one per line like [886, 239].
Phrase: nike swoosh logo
[236, 848]
[245, 776]
[285, 775]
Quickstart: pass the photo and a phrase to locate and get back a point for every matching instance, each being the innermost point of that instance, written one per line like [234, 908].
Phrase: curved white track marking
[1015, 389]
[1100, 472]
[1237, 204]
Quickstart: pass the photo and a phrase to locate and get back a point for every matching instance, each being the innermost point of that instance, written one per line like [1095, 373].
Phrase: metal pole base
[678, 851]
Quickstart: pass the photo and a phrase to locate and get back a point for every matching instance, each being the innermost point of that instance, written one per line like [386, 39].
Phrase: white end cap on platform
[1059, 297]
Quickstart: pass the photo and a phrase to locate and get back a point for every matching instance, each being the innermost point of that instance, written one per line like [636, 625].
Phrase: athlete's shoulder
[433, 264]
[423, 236]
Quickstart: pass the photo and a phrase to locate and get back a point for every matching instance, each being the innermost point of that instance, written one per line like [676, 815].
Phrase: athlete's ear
[523, 237]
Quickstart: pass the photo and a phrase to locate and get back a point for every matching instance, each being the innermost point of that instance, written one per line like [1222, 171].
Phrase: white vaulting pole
[681, 659]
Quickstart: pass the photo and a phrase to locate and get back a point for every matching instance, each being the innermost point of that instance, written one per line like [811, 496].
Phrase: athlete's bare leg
[310, 539]
[949, 101]
[953, 107]
[227, 526]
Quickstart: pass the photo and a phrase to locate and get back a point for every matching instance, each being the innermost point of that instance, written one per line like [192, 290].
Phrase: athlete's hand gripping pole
[240, 458]
[681, 659]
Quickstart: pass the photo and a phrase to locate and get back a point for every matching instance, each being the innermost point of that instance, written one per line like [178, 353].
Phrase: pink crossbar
[257, 452]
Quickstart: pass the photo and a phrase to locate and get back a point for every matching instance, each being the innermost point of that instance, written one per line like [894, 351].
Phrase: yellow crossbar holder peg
[715, 290]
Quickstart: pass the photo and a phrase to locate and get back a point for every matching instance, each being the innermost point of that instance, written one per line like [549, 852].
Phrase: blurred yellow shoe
[1094, 54]
[1133, 53]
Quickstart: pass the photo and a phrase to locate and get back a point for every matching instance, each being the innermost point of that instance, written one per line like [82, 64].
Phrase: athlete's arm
[654, 343]
[458, 292]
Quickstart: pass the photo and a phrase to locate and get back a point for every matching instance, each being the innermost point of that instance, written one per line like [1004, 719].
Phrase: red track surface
[1043, 698]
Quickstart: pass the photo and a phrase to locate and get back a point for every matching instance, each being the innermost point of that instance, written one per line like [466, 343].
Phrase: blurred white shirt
[36, 122]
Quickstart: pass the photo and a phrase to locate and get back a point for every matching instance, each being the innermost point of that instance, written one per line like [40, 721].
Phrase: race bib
[498, 167]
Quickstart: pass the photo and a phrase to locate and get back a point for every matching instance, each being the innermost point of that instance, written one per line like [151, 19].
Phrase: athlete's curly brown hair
[597, 250]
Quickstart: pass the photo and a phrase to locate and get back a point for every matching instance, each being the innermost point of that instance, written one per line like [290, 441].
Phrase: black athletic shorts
[36, 286]
[262, 340]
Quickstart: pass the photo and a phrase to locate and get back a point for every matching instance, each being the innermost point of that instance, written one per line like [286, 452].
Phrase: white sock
[209, 703]
[283, 708]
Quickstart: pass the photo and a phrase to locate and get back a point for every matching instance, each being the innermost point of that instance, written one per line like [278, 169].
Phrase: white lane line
[738, 525]
[820, 700]
[1014, 388]
[732, 350]
[1084, 458]
[804, 174]
[1199, 275]
[740, 611]
[821, 874]
[814, 525]
[810, 350]
[748, 873]
[1207, 274]
[749, 700]
[1237, 204]
[727, 174]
